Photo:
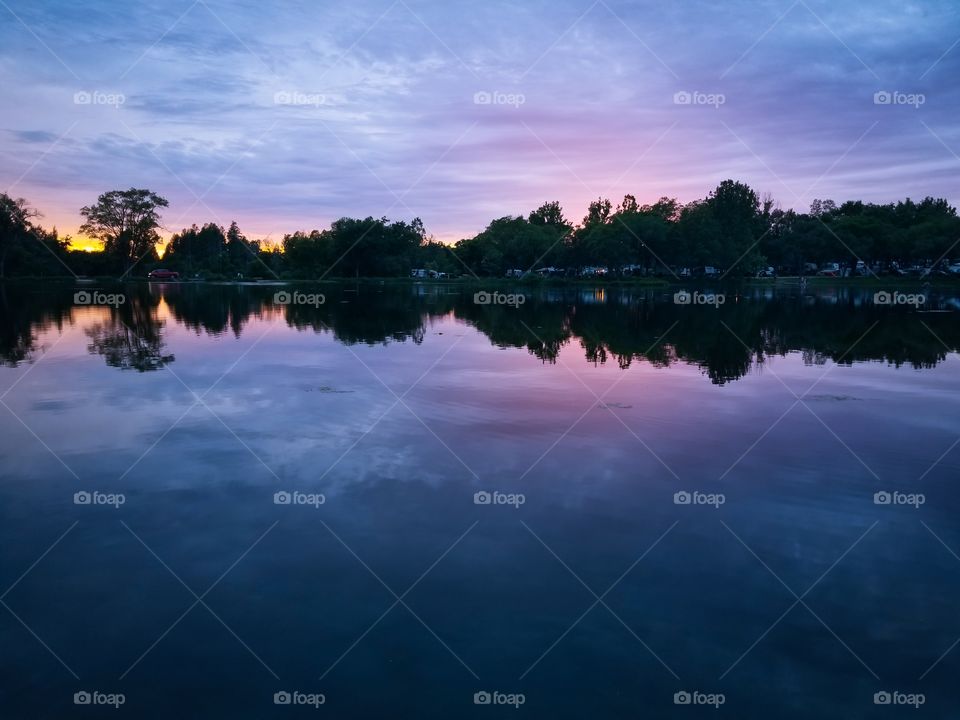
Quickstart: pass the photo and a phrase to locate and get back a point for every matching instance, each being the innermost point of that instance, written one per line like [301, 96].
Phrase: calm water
[784, 587]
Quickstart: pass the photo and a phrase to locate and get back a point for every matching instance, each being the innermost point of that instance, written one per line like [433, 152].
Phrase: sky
[285, 116]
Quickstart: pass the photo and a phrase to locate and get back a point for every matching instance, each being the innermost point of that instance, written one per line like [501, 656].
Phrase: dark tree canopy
[126, 221]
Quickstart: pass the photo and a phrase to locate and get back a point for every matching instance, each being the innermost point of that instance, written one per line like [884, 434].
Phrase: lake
[410, 501]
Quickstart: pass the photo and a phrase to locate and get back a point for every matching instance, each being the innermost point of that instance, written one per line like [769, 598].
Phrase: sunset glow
[287, 118]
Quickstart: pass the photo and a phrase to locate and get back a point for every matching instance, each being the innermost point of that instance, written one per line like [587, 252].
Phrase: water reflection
[611, 325]
[131, 336]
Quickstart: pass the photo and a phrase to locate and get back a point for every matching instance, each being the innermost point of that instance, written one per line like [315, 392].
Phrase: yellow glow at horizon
[87, 244]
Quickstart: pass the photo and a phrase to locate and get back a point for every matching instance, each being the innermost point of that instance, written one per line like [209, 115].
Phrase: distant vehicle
[593, 271]
[515, 273]
[809, 268]
[707, 271]
[830, 270]
[767, 272]
[160, 274]
[954, 269]
[549, 271]
[861, 268]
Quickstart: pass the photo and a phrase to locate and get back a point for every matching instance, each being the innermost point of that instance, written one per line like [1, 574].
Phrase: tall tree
[126, 221]
[15, 226]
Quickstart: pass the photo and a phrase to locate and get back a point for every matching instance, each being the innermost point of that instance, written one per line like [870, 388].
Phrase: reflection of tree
[543, 328]
[621, 326]
[132, 336]
[23, 315]
[214, 308]
[725, 342]
[371, 317]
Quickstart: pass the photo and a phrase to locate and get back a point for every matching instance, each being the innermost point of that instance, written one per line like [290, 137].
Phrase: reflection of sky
[403, 494]
[398, 82]
[300, 399]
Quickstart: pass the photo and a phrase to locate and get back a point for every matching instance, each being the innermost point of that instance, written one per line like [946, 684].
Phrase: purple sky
[287, 115]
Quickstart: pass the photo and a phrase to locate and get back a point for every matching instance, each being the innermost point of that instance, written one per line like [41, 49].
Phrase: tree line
[733, 229]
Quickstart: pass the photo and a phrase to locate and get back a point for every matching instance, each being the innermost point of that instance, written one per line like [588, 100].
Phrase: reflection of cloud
[598, 91]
